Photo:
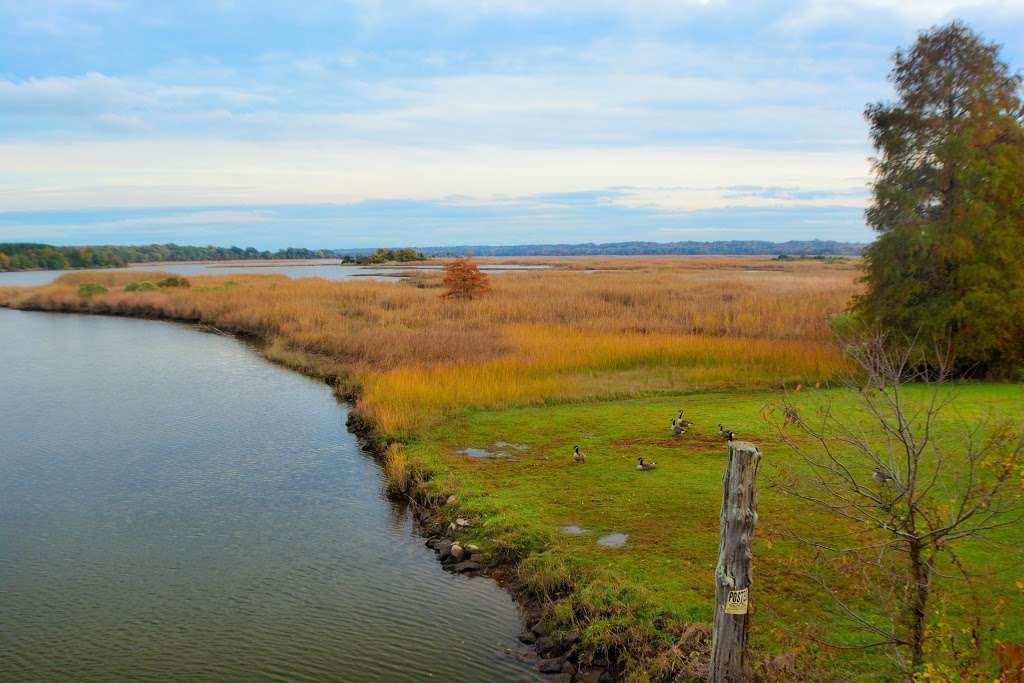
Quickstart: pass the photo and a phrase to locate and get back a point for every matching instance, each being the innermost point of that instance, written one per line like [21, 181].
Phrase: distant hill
[731, 248]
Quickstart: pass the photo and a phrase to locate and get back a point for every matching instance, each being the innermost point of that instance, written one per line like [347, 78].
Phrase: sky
[440, 122]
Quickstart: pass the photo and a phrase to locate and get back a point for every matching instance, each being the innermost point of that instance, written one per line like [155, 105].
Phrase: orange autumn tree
[464, 280]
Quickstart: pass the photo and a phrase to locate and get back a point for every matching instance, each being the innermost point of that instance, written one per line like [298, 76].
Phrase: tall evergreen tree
[949, 200]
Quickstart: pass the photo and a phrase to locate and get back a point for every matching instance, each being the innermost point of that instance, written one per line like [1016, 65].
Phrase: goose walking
[646, 465]
[577, 455]
[678, 427]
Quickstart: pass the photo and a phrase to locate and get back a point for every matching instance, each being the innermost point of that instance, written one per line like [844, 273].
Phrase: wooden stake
[732, 575]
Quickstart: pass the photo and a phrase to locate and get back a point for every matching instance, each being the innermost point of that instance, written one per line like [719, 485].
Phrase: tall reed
[620, 326]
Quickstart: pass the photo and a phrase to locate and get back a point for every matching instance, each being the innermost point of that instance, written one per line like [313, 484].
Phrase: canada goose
[882, 475]
[683, 421]
[726, 434]
[646, 465]
[577, 454]
[678, 427]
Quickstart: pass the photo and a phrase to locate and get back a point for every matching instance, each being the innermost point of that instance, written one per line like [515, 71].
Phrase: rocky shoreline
[560, 655]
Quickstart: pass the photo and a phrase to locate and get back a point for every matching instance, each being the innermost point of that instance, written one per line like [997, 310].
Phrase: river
[173, 507]
[328, 270]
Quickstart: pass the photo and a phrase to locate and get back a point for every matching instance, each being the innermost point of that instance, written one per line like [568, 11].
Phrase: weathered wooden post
[732, 575]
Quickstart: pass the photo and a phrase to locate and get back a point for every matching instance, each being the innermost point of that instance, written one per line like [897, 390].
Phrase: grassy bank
[671, 517]
[600, 353]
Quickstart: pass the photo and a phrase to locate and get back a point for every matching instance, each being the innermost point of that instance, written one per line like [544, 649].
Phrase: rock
[457, 552]
[540, 629]
[451, 529]
[568, 667]
[433, 542]
[471, 548]
[482, 558]
[553, 665]
[527, 637]
[592, 676]
[462, 522]
[444, 547]
[571, 638]
[468, 566]
[546, 645]
[452, 500]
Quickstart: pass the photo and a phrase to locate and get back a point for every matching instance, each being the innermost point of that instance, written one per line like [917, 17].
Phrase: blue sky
[433, 122]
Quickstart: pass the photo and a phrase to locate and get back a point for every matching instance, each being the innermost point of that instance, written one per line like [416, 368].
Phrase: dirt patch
[688, 441]
[659, 443]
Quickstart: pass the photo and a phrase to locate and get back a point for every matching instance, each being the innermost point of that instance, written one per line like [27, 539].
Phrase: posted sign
[736, 603]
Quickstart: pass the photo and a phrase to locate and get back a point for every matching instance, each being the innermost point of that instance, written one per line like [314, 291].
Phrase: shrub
[144, 286]
[846, 325]
[174, 281]
[463, 280]
[87, 289]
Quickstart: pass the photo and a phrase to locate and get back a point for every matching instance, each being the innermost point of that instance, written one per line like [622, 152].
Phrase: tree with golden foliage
[464, 280]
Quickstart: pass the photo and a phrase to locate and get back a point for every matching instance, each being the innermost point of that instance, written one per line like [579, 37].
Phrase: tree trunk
[732, 575]
[921, 581]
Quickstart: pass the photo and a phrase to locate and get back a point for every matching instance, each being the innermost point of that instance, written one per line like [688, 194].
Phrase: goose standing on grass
[680, 424]
[726, 434]
[577, 455]
[645, 466]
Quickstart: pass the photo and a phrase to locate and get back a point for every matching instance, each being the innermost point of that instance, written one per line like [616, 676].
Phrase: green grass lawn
[671, 514]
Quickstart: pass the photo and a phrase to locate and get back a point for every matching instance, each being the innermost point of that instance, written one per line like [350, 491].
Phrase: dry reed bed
[663, 323]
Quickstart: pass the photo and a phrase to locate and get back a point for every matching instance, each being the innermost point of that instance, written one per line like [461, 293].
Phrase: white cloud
[157, 172]
[195, 218]
[70, 96]
[89, 92]
[811, 14]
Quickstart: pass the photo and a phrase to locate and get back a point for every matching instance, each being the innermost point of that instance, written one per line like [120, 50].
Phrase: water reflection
[172, 507]
[330, 270]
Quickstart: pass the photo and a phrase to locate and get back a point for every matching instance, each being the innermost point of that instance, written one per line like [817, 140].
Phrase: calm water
[172, 507]
[300, 269]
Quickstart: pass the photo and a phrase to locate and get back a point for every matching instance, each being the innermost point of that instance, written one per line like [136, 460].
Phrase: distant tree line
[729, 248]
[26, 256]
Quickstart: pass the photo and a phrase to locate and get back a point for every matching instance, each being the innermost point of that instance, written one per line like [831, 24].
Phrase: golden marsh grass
[587, 327]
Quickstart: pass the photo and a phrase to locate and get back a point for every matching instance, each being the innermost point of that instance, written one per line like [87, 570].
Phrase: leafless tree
[909, 498]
